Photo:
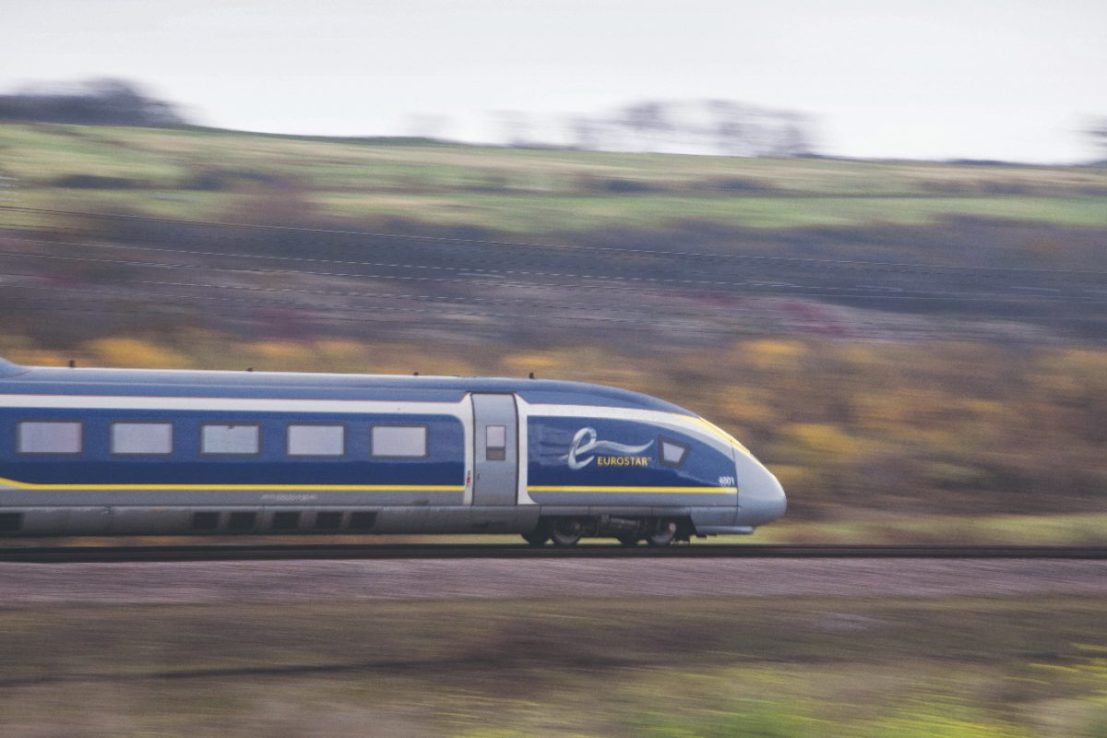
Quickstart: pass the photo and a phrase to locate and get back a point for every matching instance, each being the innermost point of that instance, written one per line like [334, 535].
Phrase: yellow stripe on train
[233, 487]
[641, 490]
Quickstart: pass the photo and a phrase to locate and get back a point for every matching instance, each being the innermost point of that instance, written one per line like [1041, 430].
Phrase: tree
[1098, 134]
[730, 127]
[96, 102]
[587, 132]
[648, 121]
[792, 137]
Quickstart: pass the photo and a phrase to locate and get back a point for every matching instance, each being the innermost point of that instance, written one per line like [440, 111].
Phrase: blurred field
[960, 668]
[523, 214]
[174, 173]
[1041, 529]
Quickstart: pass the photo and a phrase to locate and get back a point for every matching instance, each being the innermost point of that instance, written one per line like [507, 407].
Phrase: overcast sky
[1005, 79]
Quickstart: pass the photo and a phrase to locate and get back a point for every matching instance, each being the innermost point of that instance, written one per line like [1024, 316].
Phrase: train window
[49, 438]
[329, 520]
[230, 439]
[141, 438]
[207, 520]
[316, 440]
[672, 452]
[362, 521]
[408, 441]
[495, 447]
[286, 520]
[241, 522]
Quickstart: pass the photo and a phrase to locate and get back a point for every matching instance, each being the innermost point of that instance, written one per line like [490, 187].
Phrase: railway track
[347, 552]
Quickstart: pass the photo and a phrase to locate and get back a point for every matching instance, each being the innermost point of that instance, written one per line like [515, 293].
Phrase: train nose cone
[761, 499]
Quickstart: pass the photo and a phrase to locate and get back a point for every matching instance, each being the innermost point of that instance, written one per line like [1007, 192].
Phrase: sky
[922, 79]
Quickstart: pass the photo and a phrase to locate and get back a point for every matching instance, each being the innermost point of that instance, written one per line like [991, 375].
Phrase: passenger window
[230, 439]
[316, 440]
[49, 438]
[672, 452]
[399, 441]
[141, 438]
[495, 446]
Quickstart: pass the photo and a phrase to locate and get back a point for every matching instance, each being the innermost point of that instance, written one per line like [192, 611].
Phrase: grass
[1083, 529]
[524, 213]
[524, 191]
[528, 668]
[521, 214]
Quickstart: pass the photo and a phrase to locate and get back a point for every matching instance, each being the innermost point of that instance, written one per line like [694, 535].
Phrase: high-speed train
[148, 452]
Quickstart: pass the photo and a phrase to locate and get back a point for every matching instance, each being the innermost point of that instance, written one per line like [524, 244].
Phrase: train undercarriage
[568, 531]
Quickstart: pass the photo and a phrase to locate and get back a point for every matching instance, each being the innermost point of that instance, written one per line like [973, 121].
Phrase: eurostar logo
[586, 447]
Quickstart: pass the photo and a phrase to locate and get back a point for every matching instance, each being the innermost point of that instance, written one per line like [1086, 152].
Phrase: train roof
[300, 386]
[8, 369]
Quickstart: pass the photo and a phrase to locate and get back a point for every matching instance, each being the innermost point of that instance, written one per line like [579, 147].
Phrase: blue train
[143, 452]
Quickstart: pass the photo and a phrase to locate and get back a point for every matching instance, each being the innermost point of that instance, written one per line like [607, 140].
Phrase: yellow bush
[825, 439]
[542, 364]
[341, 349]
[770, 354]
[280, 353]
[133, 353]
[23, 351]
[746, 406]
[791, 476]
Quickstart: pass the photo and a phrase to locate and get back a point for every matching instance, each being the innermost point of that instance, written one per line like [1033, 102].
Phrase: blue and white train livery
[129, 452]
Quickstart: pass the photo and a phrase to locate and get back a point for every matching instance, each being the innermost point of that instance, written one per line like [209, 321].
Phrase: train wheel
[566, 532]
[664, 534]
[628, 539]
[538, 536]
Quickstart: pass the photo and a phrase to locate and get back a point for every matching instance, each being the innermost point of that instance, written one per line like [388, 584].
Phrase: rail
[272, 552]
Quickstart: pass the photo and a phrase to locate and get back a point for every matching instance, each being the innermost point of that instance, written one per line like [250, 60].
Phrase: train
[115, 452]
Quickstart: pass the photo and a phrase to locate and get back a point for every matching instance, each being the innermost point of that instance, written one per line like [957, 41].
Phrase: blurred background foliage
[916, 348]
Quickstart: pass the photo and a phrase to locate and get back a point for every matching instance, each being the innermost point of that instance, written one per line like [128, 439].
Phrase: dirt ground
[315, 581]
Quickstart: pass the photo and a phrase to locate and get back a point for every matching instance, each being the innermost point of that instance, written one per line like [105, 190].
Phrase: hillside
[891, 337]
[210, 174]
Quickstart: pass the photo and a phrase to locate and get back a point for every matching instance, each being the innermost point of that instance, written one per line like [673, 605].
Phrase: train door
[496, 455]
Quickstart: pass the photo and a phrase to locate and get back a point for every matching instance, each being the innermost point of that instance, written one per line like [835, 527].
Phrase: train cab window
[141, 438]
[230, 439]
[316, 440]
[49, 438]
[672, 452]
[495, 447]
[406, 441]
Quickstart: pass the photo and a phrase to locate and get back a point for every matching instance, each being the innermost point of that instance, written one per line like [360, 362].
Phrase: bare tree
[587, 132]
[100, 101]
[793, 137]
[648, 121]
[1097, 132]
[731, 127]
